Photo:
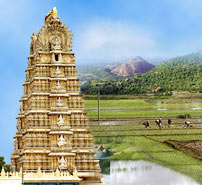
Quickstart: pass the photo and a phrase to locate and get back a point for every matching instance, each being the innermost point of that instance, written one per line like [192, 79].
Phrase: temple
[52, 128]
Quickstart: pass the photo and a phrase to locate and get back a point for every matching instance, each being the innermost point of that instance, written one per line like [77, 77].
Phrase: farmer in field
[146, 124]
[169, 122]
[159, 122]
[187, 124]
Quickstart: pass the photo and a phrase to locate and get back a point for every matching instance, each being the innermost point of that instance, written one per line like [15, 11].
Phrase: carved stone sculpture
[61, 140]
[60, 121]
[19, 125]
[16, 144]
[56, 44]
[60, 58]
[58, 85]
[62, 163]
[59, 102]
[57, 71]
[34, 37]
[21, 108]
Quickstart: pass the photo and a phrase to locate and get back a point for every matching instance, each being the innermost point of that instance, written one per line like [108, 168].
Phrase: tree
[2, 162]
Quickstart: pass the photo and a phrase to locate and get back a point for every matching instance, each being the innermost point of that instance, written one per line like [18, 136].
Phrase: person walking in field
[146, 124]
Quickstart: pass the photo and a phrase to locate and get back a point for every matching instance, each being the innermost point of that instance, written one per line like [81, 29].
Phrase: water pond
[144, 173]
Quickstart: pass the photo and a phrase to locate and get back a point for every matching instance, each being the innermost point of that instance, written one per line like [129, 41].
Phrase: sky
[102, 30]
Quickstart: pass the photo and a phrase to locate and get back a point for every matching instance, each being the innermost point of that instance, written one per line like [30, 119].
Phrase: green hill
[95, 72]
[181, 73]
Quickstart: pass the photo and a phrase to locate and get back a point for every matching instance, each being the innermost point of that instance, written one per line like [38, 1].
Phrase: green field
[129, 140]
[148, 144]
[132, 108]
[119, 104]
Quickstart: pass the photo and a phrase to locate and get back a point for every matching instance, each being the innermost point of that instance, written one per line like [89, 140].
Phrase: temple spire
[52, 16]
[53, 109]
[55, 12]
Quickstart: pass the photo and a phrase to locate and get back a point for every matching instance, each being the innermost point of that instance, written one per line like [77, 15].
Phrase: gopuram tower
[52, 128]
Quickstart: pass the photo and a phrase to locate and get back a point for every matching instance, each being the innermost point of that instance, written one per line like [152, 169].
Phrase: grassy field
[148, 144]
[145, 114]
[119, 104]
[132, 108]
[129, 140]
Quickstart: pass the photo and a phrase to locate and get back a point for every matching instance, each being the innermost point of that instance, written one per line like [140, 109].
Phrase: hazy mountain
[103, 69]
[180, 73]
[132, 67]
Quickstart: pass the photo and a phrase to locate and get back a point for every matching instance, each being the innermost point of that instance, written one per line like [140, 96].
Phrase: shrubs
[105, 166]
[184, 116]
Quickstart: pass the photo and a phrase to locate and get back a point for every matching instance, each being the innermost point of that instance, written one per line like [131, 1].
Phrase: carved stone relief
[61, 140]
[60, 121]
[62, 163]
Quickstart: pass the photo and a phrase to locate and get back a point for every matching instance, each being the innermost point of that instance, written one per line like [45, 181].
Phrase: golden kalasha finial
[39, 174]
[55, 12]
[52, 15]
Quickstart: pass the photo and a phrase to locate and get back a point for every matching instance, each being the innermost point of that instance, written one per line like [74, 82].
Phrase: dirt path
[192, 147]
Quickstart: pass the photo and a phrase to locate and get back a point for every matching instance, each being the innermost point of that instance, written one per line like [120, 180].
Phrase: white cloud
[107, 39]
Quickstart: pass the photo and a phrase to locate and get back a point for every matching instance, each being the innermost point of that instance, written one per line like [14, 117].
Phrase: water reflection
[143, 173]
[196, 108]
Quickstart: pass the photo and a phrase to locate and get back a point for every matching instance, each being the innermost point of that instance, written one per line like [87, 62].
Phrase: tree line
[181, 73]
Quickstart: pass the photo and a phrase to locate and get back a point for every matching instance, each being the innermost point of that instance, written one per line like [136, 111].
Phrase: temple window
[56, 58]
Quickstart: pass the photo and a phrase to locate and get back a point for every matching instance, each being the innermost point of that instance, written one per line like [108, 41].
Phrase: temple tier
[52, 125]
